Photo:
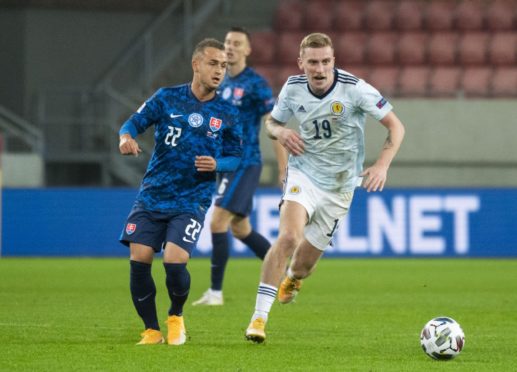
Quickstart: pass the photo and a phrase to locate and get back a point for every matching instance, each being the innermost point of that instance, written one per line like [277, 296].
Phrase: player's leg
[302, 264]
[293, 217]
[182, 235]
[242, 230]
[219, 225]
[143, 234]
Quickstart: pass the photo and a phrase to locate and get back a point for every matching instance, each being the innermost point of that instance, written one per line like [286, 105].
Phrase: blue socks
[178, 286]
[257, 243]
[143, 293]
[220, 255]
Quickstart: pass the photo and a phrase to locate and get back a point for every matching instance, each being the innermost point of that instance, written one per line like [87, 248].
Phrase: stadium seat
[440, 15]
[380, 14]
[360, 71]
[444, 81]
[384, 79]
[409, 15]
[442, 48]
[413, 81]
[500, 15]
[350, 48]
[289, 16]
[288, 47]
[269, 72]
[285, 71]
[381, 48]
[319, 15]
[472, 48]
[502, 49]
[263, 47]
[470, 15]
[349, 15]
[504, 82]
[475, 81]
[412, 48]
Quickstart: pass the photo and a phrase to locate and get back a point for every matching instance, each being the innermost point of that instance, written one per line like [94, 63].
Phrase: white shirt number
[172, 136]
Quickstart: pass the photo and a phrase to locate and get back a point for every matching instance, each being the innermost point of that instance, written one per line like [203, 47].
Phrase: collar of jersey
[192, 95]
[328, 91]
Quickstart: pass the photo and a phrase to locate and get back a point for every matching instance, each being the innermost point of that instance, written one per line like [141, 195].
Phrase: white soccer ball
[442, 338]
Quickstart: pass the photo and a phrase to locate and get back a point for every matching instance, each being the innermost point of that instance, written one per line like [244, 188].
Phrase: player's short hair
[316, 40]
[242, 30]
[207, 43]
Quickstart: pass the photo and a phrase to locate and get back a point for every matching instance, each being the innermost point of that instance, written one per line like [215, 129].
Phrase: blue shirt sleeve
[148, 114]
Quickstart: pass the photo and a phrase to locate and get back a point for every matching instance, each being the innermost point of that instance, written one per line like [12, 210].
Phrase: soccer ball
[442, 338]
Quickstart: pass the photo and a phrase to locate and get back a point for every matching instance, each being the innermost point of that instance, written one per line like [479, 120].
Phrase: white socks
[266, 295]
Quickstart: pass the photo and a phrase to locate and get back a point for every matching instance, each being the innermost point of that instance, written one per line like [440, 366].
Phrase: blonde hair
[316, 40]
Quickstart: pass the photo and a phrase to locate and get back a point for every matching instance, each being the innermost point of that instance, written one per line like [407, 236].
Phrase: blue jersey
[184, 127]
[251, 94]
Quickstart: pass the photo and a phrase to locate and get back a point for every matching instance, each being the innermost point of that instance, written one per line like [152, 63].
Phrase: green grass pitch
[351, 315]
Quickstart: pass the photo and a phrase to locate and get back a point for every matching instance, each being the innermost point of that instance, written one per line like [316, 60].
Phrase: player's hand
[205, 164]
[128, 146]
[375, 177]
[291, 140]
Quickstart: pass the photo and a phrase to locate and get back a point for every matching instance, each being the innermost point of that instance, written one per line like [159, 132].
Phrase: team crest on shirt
[227, 92]
[130, 228]
[337, 108]
[215, 124]
[195, 120]
[238, 93]
[295, 190]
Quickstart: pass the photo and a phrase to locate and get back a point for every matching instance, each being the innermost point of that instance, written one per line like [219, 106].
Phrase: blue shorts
[235, 190]
[154, 229]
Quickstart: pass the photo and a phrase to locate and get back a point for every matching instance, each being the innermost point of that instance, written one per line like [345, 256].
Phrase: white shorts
[325, 209]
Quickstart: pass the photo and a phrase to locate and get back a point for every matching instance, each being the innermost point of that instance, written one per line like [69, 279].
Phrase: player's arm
[376, 175]
[287, 137]
[281, 158]
[127, 144]
[222, 164]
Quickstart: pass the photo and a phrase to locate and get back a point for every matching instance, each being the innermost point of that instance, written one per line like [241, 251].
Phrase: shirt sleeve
[147, 114]
[371, 101]
[264, 97]
[281, 111]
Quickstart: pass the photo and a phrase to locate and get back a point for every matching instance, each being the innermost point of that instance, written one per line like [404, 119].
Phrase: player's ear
[195, 64]
[300, 63]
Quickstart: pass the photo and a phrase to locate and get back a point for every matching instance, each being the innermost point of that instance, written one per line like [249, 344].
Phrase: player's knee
[289, 239]
[240, 230]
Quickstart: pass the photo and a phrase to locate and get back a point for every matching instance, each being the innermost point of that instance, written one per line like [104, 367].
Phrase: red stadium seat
[350, 48]
[285, 71]
[440, 15]
[475, 81]
[319, 15]
[270, 73]
[263, 47]
[412, 48]
[381, 48]
[444, 81]
[504, 82]
[409, 15]
[288, 47]
[289, 16]
[502, 49]
[500, 15]
[470, 15]
[472, 48]
[442, 48]
[349, 15]
[413, 81]
[380, 14]
[359, 71]
[384, 79]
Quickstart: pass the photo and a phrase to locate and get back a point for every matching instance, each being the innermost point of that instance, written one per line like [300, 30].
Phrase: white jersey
[331, 126]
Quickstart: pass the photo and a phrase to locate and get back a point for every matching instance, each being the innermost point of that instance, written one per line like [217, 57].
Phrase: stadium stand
[433, 48]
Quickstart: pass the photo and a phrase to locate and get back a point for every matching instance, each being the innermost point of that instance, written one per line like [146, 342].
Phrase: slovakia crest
[130, 228]
[238, 93]
[215, 124]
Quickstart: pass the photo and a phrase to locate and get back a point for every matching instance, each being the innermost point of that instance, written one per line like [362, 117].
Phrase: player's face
[237, 47]
[318, 65]
[210, 67]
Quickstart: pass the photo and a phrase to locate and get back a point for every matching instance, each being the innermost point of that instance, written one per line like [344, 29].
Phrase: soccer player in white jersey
[325, 165]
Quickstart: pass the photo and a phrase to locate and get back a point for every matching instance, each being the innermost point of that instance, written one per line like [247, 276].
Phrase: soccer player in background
[195, 136]
[325, 165]
[251, 94]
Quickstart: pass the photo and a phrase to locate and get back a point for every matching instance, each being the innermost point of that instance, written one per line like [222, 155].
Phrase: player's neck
[236, 69]
[201, 92]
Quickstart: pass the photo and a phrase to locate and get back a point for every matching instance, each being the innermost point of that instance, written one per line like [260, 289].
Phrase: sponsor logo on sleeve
[381, 103]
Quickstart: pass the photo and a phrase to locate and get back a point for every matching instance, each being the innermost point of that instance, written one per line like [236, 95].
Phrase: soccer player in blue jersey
[251, 94]
[325, 166]
[195, 135]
